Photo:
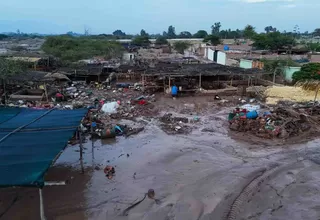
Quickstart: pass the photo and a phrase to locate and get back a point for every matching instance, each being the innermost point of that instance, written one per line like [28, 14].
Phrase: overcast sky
[105, 16]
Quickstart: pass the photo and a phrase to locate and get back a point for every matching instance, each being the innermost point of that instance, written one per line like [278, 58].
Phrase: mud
[195, 176]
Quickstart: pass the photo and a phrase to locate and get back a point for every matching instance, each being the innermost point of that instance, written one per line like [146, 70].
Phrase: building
[128, 57]
[215, 55]
[288, 72]
[315, 58]
[251, 64]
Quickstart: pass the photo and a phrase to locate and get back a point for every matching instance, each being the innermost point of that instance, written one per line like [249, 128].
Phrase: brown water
[194, 176]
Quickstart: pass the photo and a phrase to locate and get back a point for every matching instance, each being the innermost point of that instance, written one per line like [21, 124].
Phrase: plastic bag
[110, 107]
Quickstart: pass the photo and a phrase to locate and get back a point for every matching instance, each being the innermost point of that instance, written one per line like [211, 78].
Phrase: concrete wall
[222, 58]
[128, 56]
[288, 72]
[246, 64]
[210, 54]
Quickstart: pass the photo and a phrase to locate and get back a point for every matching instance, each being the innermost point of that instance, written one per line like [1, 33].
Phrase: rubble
[280, 123]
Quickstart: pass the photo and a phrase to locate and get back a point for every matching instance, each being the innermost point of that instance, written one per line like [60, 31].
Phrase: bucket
[252, 115]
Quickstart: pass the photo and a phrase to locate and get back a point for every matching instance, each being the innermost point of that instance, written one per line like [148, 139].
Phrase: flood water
[194, 176]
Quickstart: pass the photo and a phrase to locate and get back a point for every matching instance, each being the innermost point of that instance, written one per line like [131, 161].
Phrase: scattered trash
[110, 107]
[109, 171]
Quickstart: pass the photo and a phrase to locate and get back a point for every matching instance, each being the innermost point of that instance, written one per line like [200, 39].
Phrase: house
[288, 72]
[251, 64]
[315, 58]
[215, 55]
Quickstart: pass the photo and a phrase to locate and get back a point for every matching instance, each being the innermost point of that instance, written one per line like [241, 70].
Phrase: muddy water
[194, 176]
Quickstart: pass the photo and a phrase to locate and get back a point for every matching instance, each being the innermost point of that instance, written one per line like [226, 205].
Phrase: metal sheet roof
[30, 140]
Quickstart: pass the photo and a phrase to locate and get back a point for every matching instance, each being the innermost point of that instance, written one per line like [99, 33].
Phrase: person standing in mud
[174, 91]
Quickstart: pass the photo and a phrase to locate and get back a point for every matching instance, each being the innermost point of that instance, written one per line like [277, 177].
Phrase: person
[174, 91]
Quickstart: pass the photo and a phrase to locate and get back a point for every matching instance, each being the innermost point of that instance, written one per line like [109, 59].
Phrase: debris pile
[280, 123]
[175, 125]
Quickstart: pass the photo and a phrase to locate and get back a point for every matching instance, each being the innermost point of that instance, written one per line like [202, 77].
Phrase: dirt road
[201, 175]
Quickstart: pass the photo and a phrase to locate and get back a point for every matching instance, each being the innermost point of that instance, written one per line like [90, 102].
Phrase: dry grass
[288, 93]
[310, 85]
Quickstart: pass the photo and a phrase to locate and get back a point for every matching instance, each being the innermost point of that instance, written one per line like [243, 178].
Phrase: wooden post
[200, 81]
[81, 152]
[169, 82]
[164, 84]
[46, 91]
[231, 80]
[42, 216]
[315, 97]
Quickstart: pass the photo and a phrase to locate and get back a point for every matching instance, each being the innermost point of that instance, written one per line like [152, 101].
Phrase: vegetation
[70, 49]
[185, 34]
[310, 71]
[313, 47]
[141, 40]
[10, 67]
[200, 34]
[272, 41]
[171, 32]
[3, 36]
[215, 29]
[161, 41]
[249, 32]
[181, 46]
[212, 39]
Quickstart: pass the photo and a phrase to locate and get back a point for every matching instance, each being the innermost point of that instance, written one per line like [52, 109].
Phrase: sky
[130, 16]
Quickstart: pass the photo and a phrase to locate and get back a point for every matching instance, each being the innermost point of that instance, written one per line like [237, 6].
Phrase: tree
[141, 41]
[143, 33]
[119, 33]
[316, 32]
[308, 72]
[212, 39]
[249, 32]
[10, 68]
[273, 41]
[71, 49]
[215, 29]
[3, 36]
[269, 29]
[181, 46]
[171, 32]
[200, 34]
[161, 40]
[185, 34]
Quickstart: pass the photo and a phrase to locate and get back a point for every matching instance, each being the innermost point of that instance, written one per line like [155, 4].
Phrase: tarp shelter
[31, 140]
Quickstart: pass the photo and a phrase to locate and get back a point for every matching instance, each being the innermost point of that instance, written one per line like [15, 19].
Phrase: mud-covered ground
[199, 174]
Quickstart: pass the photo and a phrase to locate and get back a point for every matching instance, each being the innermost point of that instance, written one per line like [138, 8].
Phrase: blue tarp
[27, 154]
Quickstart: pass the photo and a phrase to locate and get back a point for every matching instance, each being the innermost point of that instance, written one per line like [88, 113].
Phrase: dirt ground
[199, 175]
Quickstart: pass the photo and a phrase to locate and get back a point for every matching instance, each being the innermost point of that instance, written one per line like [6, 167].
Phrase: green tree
[171, 32]
[200, 34]
[249, 32]
[161, 40]
[119, 33]
[143, 33]
[70, 49]
[181, 46]
[316, 32]
[308, 72]
[185, 34]
[10, 68]
[212, 39]
[273, 41]
[3, 36]
[215, 29]
[141, 41]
